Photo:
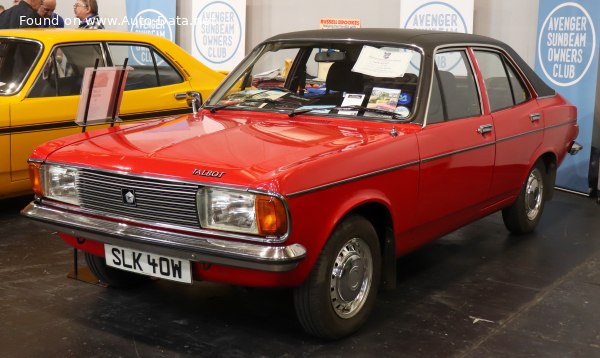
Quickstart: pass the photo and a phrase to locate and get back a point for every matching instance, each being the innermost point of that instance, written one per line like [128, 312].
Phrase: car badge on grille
[128, 196]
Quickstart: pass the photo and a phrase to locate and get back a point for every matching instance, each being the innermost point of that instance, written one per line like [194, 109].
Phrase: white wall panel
[512, 21]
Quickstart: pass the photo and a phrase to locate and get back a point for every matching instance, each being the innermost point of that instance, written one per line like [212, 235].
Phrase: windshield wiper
[301, 110]
[249, 100]
[394, 115]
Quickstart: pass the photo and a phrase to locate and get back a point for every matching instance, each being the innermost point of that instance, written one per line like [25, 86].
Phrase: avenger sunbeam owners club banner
[155, 17]
[567, 59]
[449, 15]
[219, 34]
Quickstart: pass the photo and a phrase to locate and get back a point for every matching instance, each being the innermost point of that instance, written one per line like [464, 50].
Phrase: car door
[48, 110]
[154, 86]
[456, 145]
[153, 89]
[517, 122]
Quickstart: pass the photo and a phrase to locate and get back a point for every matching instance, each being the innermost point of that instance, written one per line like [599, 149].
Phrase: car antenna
[118, 92]
[89, 96]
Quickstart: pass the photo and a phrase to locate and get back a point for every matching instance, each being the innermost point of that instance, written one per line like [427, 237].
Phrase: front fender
[315, 215]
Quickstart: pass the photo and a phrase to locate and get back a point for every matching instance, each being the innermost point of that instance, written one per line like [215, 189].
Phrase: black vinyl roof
[426, 39]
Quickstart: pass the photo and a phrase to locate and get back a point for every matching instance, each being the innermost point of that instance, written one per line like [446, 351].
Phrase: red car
[283, 186]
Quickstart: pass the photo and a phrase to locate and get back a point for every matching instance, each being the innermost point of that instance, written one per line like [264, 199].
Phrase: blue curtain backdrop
[567, 59]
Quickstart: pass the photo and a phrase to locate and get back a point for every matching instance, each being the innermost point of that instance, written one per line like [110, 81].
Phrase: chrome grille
[157, 201]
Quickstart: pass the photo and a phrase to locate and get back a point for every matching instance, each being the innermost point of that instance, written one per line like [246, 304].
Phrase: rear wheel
[340, 292]
[111, 276]
[523, 216]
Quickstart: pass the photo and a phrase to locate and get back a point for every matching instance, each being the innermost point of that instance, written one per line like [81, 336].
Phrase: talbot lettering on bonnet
[208, 173]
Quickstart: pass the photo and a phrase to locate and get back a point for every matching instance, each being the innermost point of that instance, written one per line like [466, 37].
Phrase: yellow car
[41, 71]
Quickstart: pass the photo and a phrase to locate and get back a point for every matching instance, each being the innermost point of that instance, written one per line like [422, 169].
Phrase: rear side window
[150, 68]
[504, 87]
[62, 74]
[456, 86]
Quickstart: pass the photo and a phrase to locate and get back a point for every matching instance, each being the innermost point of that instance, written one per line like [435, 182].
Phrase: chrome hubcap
[351, 278]
[534, 192]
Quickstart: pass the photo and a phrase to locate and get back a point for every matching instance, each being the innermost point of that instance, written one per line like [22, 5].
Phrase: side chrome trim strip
[519, 135]
[188, 247]
[435, 157]
[348, 180]
[425, 160]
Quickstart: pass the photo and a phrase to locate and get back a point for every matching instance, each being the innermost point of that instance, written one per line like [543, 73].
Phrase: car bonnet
[236, 148]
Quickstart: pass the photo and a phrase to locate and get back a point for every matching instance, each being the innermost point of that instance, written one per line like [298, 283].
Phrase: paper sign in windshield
[382, 63]
[352, 99]
[384, 99]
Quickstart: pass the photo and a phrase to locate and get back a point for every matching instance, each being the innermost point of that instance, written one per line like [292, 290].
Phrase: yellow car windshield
[17, 58]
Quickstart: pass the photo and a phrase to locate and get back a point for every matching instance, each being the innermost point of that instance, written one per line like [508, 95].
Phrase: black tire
[111, 276]
[335, 302]
[524, 214]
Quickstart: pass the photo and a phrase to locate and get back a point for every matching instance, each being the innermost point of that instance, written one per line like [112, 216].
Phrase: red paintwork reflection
[247, 148]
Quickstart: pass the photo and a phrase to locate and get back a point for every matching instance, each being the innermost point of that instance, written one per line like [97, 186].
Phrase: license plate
[145, 263]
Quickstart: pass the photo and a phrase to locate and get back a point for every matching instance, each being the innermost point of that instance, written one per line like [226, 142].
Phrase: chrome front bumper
[180, 245]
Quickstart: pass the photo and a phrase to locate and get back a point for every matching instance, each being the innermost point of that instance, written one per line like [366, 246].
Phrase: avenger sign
[155, 17]
[451, 15]
[566, 44]
[219, 33]
[567, 59]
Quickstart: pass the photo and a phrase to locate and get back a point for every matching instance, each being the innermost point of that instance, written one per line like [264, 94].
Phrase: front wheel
[340, 292]
[111, 276]
[522, 216]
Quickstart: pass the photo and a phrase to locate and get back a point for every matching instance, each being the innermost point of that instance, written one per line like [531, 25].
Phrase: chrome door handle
[535, 117]
[485, 128]
[181, 95]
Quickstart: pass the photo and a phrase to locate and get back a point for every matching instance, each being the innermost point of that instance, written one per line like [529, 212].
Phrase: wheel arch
[380, 216]
[549, 160]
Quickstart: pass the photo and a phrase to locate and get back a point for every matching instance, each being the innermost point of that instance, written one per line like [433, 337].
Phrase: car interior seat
[340, 78]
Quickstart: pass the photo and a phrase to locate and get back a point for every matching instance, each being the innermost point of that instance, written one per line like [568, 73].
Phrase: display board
[219, 32]
[567, 59]
[101, 95]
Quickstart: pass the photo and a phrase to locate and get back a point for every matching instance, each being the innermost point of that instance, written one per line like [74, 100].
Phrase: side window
[504, 88]
[457, 85]
[435, 113]
[520, 92]
[62, 73]
[150, 68]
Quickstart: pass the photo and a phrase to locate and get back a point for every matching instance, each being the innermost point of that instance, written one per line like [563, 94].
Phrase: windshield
[17, 58]
[341, 79]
